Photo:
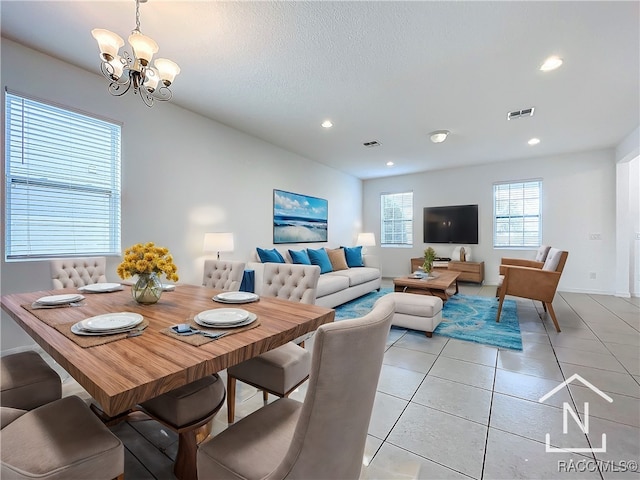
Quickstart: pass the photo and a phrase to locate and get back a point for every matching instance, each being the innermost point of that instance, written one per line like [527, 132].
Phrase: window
[517, 214]
[396, 218]
[62, 182]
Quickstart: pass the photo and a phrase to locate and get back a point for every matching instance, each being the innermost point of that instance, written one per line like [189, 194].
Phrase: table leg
[185, 466]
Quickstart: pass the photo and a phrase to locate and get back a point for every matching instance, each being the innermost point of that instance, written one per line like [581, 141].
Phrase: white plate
[222, 316]
[252, 318]
[110, 321]
[167, 287]
[236, 297]
[78, 330]
[60, 299]
[101, 287]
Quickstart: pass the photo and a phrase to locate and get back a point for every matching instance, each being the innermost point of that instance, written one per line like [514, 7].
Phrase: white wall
[628, 215]
[578, 199]
[182, 175]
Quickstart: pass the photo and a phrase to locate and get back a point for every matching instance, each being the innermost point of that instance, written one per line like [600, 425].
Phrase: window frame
[404, 219]
[516, 216]
[54, 156]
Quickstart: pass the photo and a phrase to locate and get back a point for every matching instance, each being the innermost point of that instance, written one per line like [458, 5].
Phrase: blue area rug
[465, 317]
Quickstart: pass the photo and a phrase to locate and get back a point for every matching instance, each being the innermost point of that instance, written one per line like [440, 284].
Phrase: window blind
[517, 214]
[62, 174]
[396, 218]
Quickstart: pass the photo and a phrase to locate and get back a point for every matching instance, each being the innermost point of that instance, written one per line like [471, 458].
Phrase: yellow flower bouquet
[146, 258]
[148, 262]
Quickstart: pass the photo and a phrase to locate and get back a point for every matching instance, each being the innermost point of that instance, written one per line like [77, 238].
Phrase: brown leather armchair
[533, 280]
[538, 262]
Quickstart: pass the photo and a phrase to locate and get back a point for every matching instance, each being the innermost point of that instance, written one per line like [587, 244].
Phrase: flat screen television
[452, 224]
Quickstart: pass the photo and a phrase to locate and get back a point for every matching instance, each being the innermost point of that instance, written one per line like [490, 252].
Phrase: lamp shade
[108, 42]
[366, 239]
[167, 70]
[152, 79]
[218, 242]
[117, 67]
[143, 47]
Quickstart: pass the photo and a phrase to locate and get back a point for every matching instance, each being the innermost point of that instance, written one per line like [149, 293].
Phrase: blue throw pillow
[320, 257]
[300, 257]
[271, 256]
[354, 256]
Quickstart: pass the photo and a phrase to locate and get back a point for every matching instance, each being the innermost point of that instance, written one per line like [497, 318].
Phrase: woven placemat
[86, 341]
[51, 318]
[196, 340]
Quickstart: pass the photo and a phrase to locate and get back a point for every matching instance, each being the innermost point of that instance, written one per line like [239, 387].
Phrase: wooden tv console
[469, 271]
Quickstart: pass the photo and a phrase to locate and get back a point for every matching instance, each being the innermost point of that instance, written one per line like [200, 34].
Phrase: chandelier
[127, 71]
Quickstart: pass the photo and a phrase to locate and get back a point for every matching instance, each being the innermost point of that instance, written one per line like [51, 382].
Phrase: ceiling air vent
[373, 143]
[526, 112]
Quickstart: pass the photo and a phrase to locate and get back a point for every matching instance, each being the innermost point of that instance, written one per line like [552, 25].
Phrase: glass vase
[147, 289]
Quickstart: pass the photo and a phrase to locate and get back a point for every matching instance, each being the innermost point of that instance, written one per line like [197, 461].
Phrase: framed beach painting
[299, 218]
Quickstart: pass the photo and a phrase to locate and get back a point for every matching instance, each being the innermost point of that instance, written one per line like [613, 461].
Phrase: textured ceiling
[385, 71]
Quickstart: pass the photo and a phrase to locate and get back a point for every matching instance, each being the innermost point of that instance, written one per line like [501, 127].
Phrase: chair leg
[265, 396]
[544, 306]
[500, 308]
[553, 316]
[231, 399]
[185, 465]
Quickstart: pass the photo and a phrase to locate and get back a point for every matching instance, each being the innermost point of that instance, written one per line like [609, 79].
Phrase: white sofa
[338, 287]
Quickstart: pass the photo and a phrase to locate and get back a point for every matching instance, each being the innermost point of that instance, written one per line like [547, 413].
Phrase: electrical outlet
[595, 236]
[592, 275]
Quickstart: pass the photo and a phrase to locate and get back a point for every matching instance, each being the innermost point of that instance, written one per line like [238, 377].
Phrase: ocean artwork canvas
[299, 218]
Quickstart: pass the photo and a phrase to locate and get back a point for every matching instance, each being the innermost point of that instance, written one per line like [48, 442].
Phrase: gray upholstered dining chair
[27, 382]
[223, 275]
[184, 410]
[62, 440]
[281, 370]
[323, 437]
[77, 272]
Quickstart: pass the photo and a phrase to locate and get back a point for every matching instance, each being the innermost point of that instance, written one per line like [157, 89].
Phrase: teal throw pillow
[354, 256]
[270, 256]
[320, 257]
[300, 257]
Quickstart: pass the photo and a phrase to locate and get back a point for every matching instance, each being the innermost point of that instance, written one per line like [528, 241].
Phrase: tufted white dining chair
[77, 272]
[323, 437]
[281, 370]
[223, 275]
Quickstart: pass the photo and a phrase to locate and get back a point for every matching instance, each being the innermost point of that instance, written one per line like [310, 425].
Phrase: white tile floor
[452, 409]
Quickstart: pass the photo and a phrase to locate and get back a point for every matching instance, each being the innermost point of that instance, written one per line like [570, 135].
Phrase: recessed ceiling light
[439, 136]
[534, 141]
[327, 124]
[390, 164]
[551, 63]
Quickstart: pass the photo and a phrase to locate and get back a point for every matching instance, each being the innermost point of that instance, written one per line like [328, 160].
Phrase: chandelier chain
[138, 15]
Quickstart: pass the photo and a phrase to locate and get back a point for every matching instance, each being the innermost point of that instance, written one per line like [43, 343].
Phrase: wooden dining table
[123, 373]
